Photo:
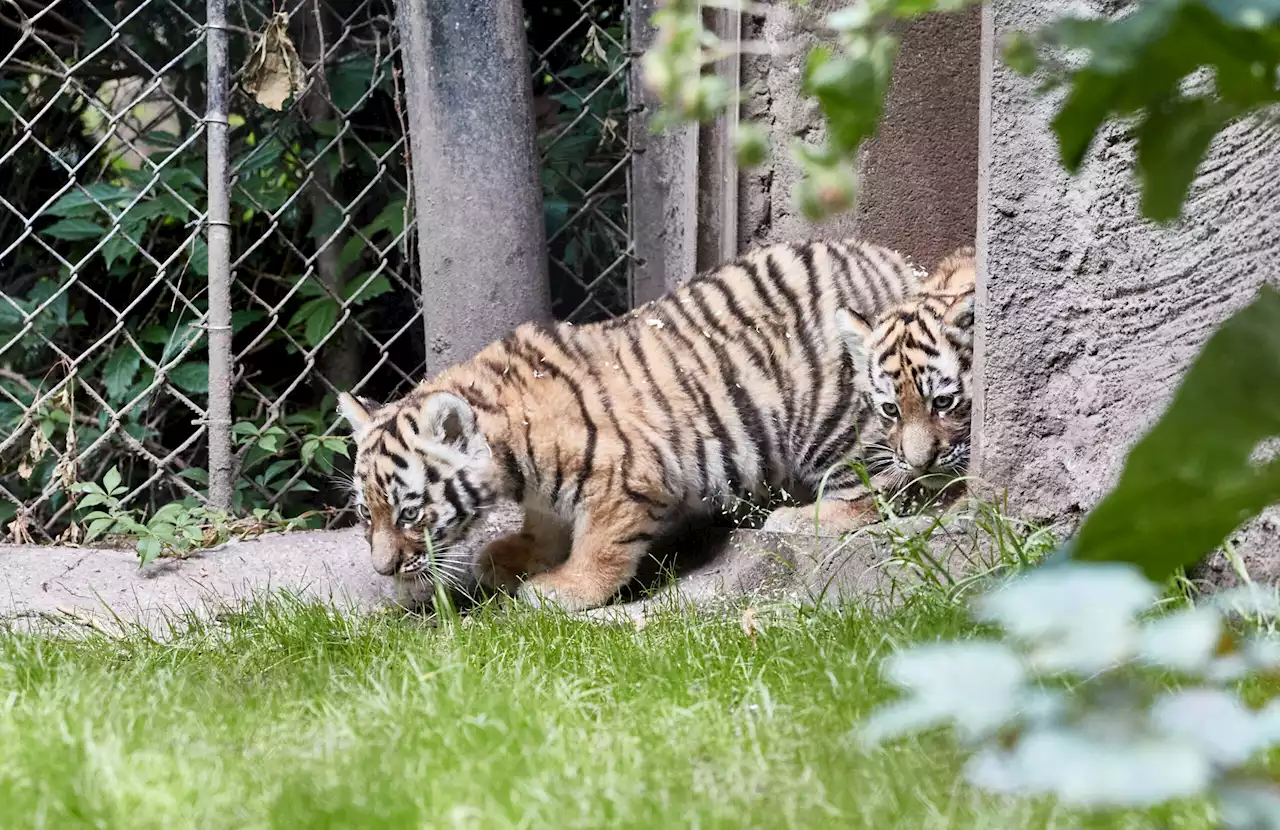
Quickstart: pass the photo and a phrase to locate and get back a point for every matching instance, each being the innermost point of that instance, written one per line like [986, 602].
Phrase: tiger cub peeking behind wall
[736, 385]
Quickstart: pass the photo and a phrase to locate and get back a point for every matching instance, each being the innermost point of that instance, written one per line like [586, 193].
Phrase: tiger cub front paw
[501, 563]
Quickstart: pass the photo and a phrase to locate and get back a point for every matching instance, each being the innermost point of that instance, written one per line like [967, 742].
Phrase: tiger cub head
[422, 471]
[913, 366]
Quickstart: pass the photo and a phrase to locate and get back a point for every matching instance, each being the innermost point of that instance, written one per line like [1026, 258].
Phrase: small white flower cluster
[1061, 705]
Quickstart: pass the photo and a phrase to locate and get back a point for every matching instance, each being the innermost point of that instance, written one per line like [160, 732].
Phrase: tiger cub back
[735, 385]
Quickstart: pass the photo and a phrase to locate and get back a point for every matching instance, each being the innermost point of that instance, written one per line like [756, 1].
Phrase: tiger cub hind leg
[835, 514]
[542, 543]
[609, 543]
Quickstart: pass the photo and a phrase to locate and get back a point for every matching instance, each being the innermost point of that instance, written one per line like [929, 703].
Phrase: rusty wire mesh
[104, 257]
[581, 63]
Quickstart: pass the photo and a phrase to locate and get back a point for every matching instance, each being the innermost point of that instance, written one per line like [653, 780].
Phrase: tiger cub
[735, 385]
[912, 370]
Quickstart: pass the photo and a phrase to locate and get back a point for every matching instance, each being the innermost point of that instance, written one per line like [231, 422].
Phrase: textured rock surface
[1088, 316]
[50, 585]
[918, 178]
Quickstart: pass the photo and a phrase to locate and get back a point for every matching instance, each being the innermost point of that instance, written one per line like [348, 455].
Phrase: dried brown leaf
[273, 71]
[749, 626]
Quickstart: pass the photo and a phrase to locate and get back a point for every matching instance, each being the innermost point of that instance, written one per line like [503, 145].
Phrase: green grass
[291, 715]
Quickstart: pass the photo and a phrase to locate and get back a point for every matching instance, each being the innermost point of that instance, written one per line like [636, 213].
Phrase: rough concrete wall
[475, 173]
[1087, 315]
[918, 177]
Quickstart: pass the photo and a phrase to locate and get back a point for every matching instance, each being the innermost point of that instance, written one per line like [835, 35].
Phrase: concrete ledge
[92, 586]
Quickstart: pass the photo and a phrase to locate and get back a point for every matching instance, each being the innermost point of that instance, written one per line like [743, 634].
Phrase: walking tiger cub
[736, 385]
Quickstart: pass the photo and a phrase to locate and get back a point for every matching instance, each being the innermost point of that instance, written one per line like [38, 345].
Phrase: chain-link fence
[104, 231]
[581, 66]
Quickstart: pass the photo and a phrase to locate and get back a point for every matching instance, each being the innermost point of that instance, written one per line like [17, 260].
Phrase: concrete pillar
[664, 182]
[478, 200]
[918, 177]
[1087, 315]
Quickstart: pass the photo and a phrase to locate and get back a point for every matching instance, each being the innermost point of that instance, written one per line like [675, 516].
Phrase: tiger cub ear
[356, 411]
[854, 331]
[450, 420]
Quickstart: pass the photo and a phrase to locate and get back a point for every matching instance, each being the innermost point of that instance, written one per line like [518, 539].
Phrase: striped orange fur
[734, 386]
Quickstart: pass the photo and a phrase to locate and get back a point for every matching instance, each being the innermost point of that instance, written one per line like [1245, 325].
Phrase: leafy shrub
[1073, 699]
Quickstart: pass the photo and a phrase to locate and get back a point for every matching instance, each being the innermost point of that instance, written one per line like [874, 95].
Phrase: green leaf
[308, 451]
[317, 317]
[196, 474]
[92, 500]
[375, 287]
[119, 247]
[162, 139]
[349, 80]
[74, 229]
[1171, 142]
[199, 257]
[192, 378]
[336, 444]
[391, 218]
[97, 527]
[269, 439]
[120, 370]
[84, 202]
[1138, 64]
[111, 480]
[153, 334]
[850, 90]
[148, 549]
[164, 531]
[1189, 482]
[276, 468]
[259, 157]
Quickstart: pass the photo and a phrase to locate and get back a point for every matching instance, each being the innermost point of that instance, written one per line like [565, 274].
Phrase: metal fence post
[717, 161]
[218, 416]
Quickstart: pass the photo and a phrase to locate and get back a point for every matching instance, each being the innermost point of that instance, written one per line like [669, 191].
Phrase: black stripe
[451, 496]
[698, 397]
[473, 495]
[628, 450]
[512, 468]
[674, 434]
[676, 306]
[750, 416]
[799, 424]
[753, 274]
[852, 437]
[558, 482]
[644, 435]
[848, 401]
[869, 271]
[806, 255]
[842, 280]
[589, 451]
